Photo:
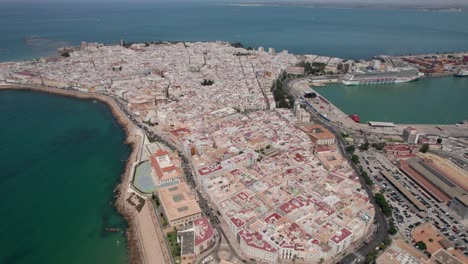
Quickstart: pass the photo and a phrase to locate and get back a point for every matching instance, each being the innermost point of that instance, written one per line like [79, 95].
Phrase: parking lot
[406, 216]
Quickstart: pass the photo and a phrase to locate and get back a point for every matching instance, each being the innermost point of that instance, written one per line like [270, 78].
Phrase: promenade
[151, 237]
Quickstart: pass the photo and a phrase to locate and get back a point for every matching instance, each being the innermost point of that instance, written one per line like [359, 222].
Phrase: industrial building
[431, 179]
[460, 205]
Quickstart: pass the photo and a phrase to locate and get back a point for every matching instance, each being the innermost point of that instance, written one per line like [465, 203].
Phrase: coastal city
[238, 158]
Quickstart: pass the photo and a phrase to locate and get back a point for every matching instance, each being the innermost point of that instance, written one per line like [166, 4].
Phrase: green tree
[424, 148]
[388, 241]
[355, 159]
[237, 45]
[391, 228]
[364, 146]
[366, 178]
[371, 256]
[378, 146]
[421, 245]
[350, 149]
[382, 202]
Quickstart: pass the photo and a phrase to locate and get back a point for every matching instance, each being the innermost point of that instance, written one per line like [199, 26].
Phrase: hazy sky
[372, 2]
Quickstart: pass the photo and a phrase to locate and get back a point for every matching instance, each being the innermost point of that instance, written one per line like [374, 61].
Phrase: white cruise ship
[400, 76]
[461, 73]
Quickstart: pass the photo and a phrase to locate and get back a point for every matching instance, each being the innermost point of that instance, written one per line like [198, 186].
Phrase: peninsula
[222, 170]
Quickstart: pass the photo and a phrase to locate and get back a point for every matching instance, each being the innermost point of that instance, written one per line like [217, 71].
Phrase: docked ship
[461, 73]
[355, 118]
[374, 77]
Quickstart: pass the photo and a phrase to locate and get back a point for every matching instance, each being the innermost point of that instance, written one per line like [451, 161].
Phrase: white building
[410, 135]
[376, 65]
[254, 246]
[341, 240]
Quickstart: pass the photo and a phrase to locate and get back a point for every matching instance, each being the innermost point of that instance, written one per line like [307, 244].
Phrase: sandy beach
[142, 234]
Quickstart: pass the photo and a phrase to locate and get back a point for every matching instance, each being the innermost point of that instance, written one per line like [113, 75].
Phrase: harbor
[338, 103]
[407, 103]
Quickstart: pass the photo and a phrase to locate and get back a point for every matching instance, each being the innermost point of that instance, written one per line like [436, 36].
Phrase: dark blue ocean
[32, 30]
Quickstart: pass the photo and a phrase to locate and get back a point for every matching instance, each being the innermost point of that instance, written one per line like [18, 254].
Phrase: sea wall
[133, 139]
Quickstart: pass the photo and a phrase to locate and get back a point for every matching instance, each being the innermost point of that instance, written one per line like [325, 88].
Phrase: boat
[112, 229]
[355, 118]
[376, 77]
[461, 73]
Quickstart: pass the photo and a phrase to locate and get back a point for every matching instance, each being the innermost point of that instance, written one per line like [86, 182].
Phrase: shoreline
[134, 252]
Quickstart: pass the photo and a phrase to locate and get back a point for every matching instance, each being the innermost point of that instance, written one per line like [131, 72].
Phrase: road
[379, 236]
[154, 135]
[382, 227]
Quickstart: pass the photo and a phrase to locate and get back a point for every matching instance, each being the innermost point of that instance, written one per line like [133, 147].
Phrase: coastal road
[381, 224]
[188, 170]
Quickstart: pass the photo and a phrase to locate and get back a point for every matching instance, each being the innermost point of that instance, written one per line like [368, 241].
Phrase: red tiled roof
[237, 222]
[291, 205]
[255, 240]
[155, 164]
[273, 218]
[298, 157]
[209, 169]
[203, 230]
[423, 182]
[342, 235]
[180, 132]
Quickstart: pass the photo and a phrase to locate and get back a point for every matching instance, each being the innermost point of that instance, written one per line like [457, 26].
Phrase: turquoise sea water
[427, 101]
[30, 30]
[60, 159]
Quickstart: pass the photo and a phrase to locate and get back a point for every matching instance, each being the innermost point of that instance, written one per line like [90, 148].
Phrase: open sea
[60, 158]
[30, 30]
